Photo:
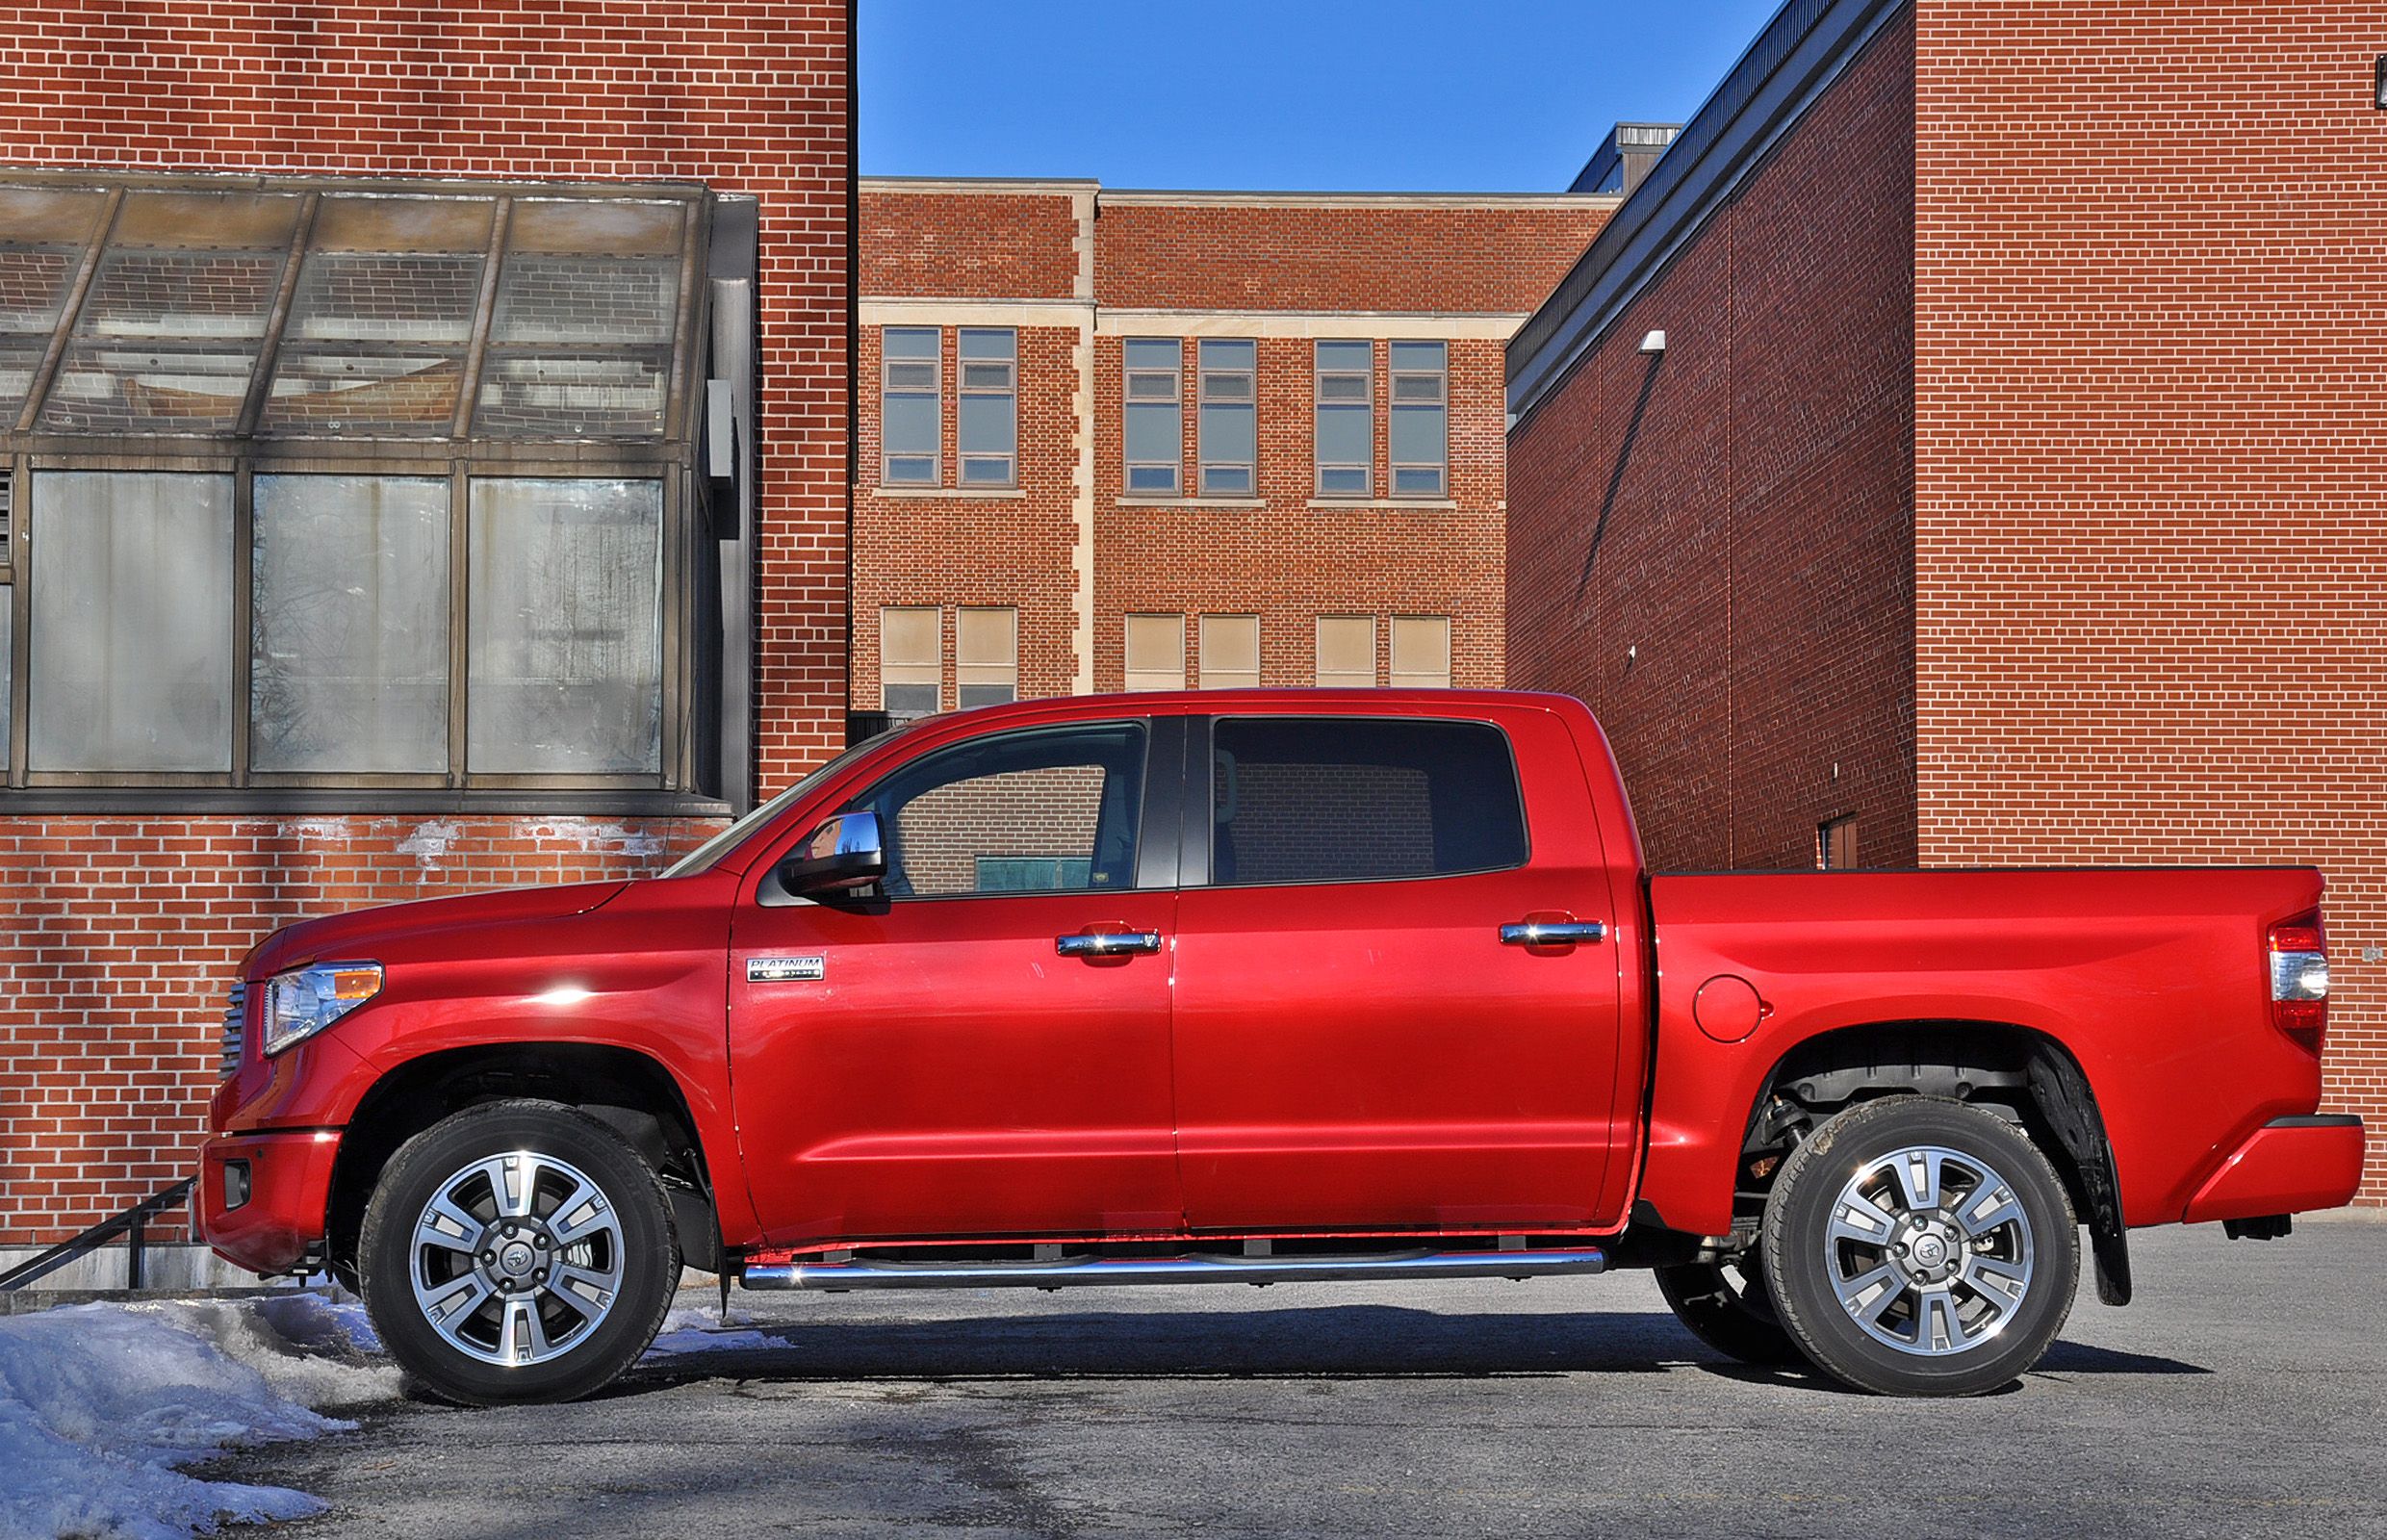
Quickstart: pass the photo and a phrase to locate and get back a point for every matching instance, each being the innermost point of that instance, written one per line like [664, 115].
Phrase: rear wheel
[1915, 1247]
[1725, 1304]
[518, 1252]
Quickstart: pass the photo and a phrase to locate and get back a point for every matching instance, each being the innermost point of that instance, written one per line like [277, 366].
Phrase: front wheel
[518, 1252]
[1916, 1246]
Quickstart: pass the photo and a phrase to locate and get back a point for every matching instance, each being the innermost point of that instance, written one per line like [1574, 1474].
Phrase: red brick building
[1111, 439]
[405, 418]
[2006, 487]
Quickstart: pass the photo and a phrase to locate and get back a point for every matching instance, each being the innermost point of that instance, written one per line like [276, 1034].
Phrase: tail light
[2300, 979]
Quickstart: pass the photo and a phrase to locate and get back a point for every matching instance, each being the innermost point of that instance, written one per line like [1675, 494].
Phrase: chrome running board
[1065, 1272]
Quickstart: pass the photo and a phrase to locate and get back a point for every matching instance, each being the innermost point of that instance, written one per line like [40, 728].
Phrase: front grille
[235, 1028]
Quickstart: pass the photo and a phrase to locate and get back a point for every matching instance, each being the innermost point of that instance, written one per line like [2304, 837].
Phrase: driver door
[944, 1057]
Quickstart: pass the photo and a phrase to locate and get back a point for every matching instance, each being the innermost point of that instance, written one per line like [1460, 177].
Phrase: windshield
[721, 844]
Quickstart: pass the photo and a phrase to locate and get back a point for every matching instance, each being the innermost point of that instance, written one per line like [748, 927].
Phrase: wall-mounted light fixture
[2378, 84]
[1655, 342]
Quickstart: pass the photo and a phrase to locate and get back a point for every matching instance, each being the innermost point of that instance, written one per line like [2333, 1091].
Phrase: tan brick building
[1113, 440]
[2008, 488]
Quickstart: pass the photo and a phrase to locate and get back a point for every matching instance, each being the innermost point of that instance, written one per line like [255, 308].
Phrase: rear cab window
[1301, 799]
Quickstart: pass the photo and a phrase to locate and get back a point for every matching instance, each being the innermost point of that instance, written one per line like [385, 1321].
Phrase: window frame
[1196, 858]
[1204, 404]
[460, 453]
[962, 664]
[1127, 669]
[1320, 405]
[1393, 406]
[964, 392]
[1129, 402]
[1400, 679]
[1318, 652]
[935, 394]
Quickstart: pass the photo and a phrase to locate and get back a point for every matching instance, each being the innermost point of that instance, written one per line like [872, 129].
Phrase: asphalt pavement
[2244, 1393]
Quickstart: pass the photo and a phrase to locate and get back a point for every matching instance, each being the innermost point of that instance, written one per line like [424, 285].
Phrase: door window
[1343, 799]
[1052, 812]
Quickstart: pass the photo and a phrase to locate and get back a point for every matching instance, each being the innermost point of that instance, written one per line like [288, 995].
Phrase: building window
[911, 408]
[1421, 651]
[1836, 844]
[350, 635]
[359, 573]
[1420, 434]
[1231, 652]
[911, 661]
[1347, 651]
[1229, 433]
[1155, 428]
[990, 406]
[986, 653]
[566, 634]
[1346, 413]
[131, 647]
[1156, 652]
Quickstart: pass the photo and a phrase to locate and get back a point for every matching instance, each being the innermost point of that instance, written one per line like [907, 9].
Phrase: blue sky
[1345, 95]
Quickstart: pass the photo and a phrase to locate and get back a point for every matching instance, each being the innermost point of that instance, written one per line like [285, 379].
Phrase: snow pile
[703, 1329]
[100, 1405]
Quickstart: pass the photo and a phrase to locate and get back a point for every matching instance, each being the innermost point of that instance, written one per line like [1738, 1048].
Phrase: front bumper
[2286, 1166]
[289, 1196]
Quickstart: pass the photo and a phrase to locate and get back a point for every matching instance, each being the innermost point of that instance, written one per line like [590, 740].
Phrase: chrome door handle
[1107, 943]
[1553, 932]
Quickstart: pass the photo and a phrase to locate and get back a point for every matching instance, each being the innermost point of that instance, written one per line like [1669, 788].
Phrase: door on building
[1355, 1046]
[983, 1049]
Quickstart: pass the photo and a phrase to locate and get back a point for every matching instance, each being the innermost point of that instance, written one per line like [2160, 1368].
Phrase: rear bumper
[289, 1195]
[2286, 1166]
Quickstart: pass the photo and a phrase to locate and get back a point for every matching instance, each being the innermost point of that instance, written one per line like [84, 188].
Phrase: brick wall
[2151, 442]
[1213, 254]
[1712, 547]
[977, 245]
[119, 932]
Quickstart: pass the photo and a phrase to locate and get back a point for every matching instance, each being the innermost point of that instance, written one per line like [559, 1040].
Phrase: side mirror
[842, 853]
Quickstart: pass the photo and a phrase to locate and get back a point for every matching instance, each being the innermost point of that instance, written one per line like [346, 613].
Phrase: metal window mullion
[21, 619]
[476, 350]
[244, 613]
[669, 673]
[270, 345]
[684, 351]
[38, 390]
[459, 617]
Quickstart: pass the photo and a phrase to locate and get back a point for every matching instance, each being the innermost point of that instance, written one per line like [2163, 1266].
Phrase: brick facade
[1715, 547]
[2151, 456]
[1076, 271]
[2037, 487]
[120, 931]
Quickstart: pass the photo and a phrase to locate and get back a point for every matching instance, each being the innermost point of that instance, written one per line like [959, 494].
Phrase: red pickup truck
[1263, 986]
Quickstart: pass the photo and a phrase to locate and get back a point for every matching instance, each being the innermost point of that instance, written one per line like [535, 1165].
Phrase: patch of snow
[101, 1405]
[701, 1329]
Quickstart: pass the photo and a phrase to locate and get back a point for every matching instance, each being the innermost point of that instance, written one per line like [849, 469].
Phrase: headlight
[302, 1003]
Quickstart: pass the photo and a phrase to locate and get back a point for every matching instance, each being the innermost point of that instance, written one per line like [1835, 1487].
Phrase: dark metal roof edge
[1797, 56]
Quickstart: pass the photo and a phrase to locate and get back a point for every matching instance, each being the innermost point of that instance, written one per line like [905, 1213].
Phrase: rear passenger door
[1354, 1043]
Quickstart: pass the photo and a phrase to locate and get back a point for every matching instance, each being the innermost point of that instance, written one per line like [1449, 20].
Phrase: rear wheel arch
[2020, 1072]
[627, 1090]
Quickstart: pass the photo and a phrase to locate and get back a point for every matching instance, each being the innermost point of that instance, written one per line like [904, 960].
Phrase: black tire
[624, 1238]
[1726, 1306]
[1952, 1294]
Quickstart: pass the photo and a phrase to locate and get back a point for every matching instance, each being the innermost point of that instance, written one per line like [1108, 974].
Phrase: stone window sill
[951, 494]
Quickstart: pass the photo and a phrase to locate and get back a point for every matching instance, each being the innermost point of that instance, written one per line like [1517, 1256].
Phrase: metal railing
[133, 1223]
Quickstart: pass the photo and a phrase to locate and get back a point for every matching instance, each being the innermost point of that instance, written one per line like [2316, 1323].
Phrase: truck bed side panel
[2155, 981]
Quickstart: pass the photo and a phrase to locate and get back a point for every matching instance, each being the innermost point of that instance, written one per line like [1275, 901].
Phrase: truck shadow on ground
[1346, 1342]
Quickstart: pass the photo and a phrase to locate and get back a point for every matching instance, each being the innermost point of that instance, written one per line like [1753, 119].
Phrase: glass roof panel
[392, 307]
